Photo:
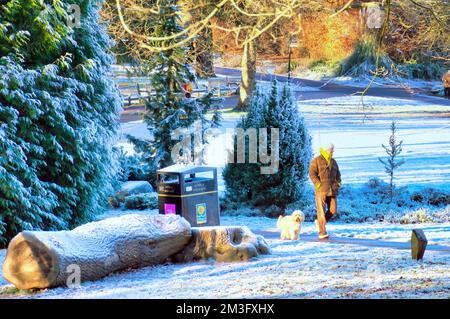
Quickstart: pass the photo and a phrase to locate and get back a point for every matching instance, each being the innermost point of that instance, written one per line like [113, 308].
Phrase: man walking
[325, 175]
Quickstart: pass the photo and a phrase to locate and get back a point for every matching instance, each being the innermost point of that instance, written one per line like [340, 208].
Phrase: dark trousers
[326, 208]
[447, 92]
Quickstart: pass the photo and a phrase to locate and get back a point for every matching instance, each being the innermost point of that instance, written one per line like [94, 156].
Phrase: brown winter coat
[446, 80]
[326, 178]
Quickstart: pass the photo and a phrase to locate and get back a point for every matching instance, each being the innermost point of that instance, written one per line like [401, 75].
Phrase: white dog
[290, 225]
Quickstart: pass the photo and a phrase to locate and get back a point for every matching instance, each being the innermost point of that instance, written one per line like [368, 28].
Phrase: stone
[418, 244]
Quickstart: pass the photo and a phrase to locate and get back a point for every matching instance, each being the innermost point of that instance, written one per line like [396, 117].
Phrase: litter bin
[190, 191]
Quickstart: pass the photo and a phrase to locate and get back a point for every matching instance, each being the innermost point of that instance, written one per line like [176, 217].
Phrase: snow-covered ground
[362, 82]
[358, 133]
[437, 234]
[295, 269]
[304, 269]
[266, 85]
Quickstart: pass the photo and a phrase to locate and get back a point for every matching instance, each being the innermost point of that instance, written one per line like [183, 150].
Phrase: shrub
[142, 201]
[242, 211]
[324, 66]
[421, 215]
[363, 61]
[435, 197]
[134, 168]
[294, 66]
[272, 211]
[426, 70]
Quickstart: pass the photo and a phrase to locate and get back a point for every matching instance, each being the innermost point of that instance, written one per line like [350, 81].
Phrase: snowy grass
[437, 234]
[357, 133]
[363, 81]
[369, 203]
[294, 270]
[429, 86]
[266, 85]
[372, 105]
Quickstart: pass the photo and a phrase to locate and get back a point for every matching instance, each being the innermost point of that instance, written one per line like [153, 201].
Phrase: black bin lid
[185, 169]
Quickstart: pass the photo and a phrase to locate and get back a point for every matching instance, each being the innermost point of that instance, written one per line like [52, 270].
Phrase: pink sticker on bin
[170, 209]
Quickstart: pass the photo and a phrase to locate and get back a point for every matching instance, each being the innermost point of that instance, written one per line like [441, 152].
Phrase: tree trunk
[223, 244]
[38, 259]
[248, 83]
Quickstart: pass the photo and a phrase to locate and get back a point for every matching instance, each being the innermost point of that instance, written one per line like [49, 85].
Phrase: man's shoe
[323, 236]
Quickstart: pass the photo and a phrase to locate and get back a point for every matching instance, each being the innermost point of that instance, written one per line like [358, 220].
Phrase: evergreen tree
[244, 182]
[238, 176]
[169, 109]
[58, 116]
[295, 148]
[391, 163]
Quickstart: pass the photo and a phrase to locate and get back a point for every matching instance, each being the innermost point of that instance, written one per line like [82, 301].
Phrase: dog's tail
[279, 221]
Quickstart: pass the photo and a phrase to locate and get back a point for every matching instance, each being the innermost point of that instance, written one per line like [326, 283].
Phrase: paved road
[132, 113]
[356, 241]
[328, 90]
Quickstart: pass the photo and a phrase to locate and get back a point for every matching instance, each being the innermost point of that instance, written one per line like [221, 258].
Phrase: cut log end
[223, 244]
[29, 263]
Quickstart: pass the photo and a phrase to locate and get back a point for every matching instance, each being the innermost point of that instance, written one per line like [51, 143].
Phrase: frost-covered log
[38, 259]
[224, 244]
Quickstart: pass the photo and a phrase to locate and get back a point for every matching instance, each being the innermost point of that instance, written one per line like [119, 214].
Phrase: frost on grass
[294, 270]
[369, 203]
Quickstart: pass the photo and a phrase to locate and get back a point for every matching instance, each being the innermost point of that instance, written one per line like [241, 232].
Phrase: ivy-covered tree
[169, 109]
[58, 116]
[244, 181]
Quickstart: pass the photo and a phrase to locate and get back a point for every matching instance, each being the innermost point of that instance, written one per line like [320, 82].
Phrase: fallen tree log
[38, 259]
[223, 244]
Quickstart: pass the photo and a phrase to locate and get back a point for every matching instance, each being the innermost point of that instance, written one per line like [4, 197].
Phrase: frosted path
[424, 129]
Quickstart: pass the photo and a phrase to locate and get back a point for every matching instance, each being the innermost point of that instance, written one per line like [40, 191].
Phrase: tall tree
[244, 181]
[169, 110]
[246, 19]
[58, 116]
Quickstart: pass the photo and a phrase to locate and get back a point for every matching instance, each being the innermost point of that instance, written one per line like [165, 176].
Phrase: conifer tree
[238, 177]
[391, 163]
[169, 109]
[244, 182]
[58, 116]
